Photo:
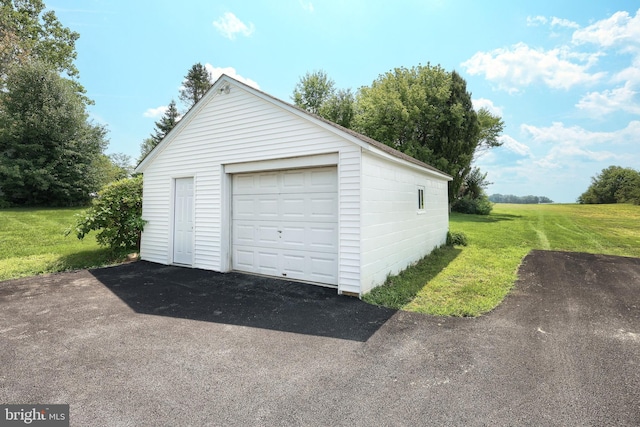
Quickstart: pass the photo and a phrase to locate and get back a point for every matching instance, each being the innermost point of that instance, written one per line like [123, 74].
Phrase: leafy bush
[469, 205]
[116, 214]
[456, 239]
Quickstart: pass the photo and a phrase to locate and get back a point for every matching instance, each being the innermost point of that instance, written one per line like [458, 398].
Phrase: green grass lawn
[471, 280]
[452, 281]
[32, 241]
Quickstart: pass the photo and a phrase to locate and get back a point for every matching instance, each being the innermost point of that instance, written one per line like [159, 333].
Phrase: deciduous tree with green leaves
[48, 148]
[614, 184]
[28, 32]
[425, 112]
[491, 127]
[313, 90]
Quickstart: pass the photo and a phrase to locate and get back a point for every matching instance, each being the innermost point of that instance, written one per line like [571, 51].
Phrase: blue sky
[564, 75]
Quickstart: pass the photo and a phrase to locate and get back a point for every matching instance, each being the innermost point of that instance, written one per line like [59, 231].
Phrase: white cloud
[216, 72]
[630, 75]
[155, 112]
[598, 104]
[488, 104]
[534, 21]
[521, 65]
[514, 146]
[561, 155]
[229, 26]
[308, 6]
[558, 133]
[619, 29]
[561, 22]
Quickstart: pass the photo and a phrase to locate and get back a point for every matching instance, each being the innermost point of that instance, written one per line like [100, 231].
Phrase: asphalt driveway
[143, 344]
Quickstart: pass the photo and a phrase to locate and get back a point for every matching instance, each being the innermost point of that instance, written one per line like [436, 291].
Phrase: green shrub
[456, 238]
[116, 215]
[468, 205]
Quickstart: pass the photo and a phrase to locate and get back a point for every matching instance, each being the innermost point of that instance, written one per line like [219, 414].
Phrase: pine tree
[168, 121]
[196, 83]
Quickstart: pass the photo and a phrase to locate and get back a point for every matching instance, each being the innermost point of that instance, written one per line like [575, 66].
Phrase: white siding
[395, 233]
[232, 128]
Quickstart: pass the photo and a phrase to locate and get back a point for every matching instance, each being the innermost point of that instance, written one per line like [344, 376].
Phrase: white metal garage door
[285, 224]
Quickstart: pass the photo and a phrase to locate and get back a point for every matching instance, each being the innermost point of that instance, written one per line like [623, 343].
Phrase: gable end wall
[234, 128]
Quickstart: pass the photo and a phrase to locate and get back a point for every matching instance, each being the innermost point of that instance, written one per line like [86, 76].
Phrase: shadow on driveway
[242, 299]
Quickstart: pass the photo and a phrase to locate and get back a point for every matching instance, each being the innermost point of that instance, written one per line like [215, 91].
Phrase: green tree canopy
[425, 112]
[48, 149]
[112, 167]
[614, 184]
[313, 90]
[196, 83]
[28, 33]
[491, 127]
[340, 108]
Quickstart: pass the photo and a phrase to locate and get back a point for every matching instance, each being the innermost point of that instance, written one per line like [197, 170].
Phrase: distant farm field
[471, 280]
[32, 241]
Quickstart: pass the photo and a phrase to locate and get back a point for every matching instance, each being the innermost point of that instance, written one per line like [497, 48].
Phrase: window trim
[420, 198]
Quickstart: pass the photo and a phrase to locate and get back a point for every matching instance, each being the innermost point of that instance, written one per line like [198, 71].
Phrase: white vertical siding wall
[232, 128]
[395, 233]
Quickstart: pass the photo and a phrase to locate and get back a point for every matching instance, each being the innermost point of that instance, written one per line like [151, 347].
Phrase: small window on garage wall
[420, 198]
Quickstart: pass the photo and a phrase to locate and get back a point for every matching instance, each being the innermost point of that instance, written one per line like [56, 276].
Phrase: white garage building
[250, 183]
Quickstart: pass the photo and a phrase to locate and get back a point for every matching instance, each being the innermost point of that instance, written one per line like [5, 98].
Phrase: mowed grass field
[472, 280]
[452, 281]
[32, 241]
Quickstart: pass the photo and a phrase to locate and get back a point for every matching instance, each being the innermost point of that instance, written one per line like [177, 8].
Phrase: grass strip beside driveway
[472, 280]
[32, 241]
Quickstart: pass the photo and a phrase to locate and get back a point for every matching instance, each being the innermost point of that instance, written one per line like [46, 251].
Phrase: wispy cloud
[216, 72]
[621, 29]
[488, 104]
[554, 21]
[561, 22]
[229, 26]
[534, 21]
[520, 66]
[515, 146]
[598, 104]
[155, 112]
[558, 133]
[308, 6]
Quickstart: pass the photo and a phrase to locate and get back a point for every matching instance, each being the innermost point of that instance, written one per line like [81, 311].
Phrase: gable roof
[219, 87]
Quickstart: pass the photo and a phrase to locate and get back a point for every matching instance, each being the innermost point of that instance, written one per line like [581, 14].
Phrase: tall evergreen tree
[168, 121]
[196, 83]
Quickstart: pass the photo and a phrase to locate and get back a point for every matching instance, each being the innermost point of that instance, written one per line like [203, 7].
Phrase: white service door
[285, 224]
[183, 222]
